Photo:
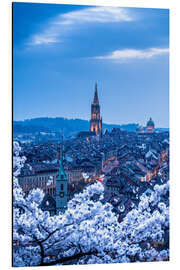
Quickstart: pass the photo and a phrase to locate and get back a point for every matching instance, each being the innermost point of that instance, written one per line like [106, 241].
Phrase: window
[61, 186]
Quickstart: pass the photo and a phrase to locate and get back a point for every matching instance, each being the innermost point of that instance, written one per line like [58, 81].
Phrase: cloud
[43, 39]
[98, 14]
[55, 30]
[127, 54]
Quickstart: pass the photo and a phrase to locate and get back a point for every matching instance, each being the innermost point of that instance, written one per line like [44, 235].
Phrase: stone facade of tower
[61, 188]
[96, 119]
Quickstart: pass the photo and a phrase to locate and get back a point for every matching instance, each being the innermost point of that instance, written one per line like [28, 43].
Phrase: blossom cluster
[88, 232]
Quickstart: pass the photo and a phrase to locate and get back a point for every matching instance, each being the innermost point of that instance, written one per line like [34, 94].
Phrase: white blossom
[88, 226]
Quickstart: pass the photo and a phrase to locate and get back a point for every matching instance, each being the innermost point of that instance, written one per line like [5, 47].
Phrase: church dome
[150, 122]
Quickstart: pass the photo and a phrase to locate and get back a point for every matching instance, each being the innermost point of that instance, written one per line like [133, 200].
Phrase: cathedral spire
[96, 120]
[96, 100]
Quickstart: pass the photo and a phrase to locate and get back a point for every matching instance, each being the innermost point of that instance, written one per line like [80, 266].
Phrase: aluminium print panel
[90, 134]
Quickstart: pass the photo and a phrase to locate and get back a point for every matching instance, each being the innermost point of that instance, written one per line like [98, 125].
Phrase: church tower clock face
[61, 194]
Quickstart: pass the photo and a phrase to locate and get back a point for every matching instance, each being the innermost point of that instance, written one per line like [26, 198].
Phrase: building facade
[96, 119]
[46, 180]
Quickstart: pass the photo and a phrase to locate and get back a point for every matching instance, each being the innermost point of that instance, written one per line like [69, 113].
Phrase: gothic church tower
[61, 187]
[96, 119]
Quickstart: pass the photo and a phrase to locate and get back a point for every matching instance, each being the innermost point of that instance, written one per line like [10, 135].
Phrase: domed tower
[150, 125]
[96, 119]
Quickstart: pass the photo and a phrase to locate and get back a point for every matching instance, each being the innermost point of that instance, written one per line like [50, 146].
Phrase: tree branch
[41, 248]
[70, 258]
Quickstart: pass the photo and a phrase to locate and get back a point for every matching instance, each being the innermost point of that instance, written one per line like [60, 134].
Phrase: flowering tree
[88, 232]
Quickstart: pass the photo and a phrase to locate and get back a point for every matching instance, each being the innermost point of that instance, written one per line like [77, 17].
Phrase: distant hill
[69, 126]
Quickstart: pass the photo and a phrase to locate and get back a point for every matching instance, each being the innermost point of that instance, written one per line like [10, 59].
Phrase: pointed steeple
[96, 100]
[61, 173]
[61, 185]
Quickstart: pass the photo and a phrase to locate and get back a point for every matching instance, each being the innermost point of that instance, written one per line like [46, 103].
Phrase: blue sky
[60, 51]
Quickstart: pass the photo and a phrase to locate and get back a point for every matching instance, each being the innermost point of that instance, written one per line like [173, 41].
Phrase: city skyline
[60, 51]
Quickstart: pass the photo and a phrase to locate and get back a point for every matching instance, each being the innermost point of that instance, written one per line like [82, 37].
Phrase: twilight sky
[60, 51]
